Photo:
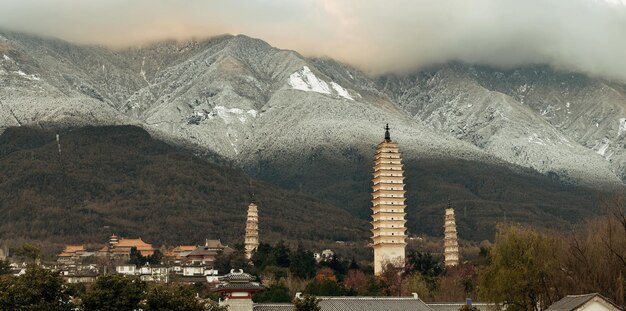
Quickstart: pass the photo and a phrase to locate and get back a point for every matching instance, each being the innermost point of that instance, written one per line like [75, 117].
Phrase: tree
[155, 258]
[216, 307]
[307, 303]
[280, 255]
[235, 260]
[357, 281]
[172, 298]
[324, 284]
[467, 307]
[5, 267]
[302, 263]
[115, 292]
[27, 251]
[394, 278]
[135, 257]
[38, 289]
[275, 293]
[261, 255]
[417, 284]
[521, 269]
[424, 263]
[340, 267]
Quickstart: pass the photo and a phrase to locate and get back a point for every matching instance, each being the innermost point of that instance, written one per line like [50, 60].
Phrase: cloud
[378, 36]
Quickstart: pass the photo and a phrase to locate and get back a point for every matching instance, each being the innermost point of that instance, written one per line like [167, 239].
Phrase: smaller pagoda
[238, 288]
[252, 230]
[450, 241]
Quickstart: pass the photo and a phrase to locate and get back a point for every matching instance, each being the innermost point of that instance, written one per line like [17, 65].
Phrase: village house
[326, 255]
[154, 274]
[147, 273]
[126, 269]
[80, 274]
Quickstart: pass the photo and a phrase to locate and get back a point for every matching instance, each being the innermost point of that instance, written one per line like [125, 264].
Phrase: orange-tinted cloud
[376, 35]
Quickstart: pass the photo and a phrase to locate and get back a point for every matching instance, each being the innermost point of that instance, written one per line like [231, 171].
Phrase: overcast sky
[378, 36]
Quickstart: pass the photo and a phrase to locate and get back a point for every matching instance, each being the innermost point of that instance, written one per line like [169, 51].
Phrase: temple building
[252, 230]
[238, 288]
[120, 247]
[450, 241]
[388, 216]
[207, 254]
[71, 253]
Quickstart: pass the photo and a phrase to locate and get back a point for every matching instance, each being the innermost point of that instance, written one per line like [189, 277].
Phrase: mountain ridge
[310, 124]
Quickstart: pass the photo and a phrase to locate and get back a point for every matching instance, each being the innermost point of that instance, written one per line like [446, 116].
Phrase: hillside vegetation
[117, 179]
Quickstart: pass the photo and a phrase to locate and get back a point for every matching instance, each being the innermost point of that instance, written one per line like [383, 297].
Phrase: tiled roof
[372, 304]
[573, 302]
[184, 248]
[355, 304]
[203, 251]
[274, 307]
[74, 248]
[138, 243]
[238, 277]
[214, 244]
[455, 306]
[180, 250]
[250, 286]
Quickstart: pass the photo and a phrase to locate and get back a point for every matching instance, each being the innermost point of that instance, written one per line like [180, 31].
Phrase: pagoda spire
[387, 136]
[388, 216]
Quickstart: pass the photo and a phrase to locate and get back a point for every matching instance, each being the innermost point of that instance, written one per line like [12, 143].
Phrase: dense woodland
[120, 180]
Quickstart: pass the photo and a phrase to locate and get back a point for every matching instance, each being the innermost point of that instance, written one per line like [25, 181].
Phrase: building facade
[388, 216]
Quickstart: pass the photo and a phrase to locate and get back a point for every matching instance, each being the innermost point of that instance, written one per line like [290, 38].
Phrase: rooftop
[138, 243]
[573, 302]
[356, 303]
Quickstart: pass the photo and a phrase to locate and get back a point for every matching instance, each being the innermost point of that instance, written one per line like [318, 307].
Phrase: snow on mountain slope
[236, 96]
[585, 110]
[457, 99]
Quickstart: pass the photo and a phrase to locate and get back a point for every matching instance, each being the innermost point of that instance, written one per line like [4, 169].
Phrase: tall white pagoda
[388, 216]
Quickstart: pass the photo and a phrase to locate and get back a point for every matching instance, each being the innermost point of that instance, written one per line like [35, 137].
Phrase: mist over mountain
[377, 36]
[529, 144]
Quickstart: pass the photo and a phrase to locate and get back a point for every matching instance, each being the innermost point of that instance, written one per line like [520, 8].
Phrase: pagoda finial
[449, 204]
[387, 136]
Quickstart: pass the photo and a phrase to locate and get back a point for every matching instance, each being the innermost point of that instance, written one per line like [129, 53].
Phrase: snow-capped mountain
[312, 124]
